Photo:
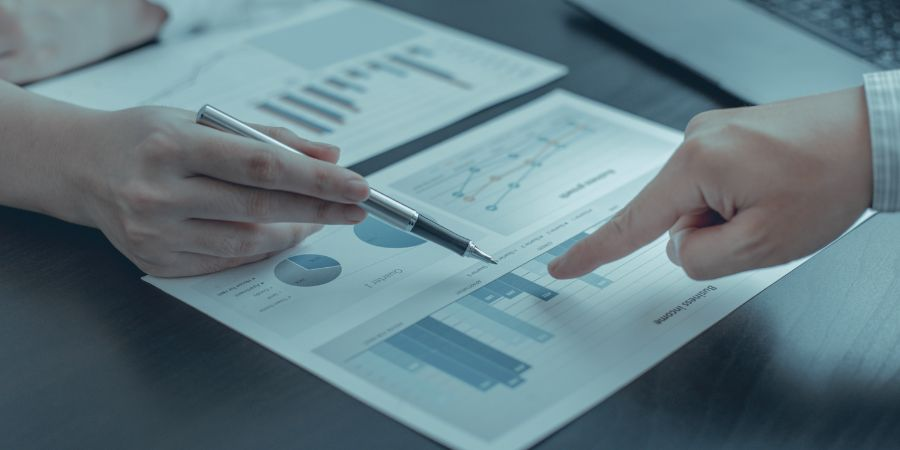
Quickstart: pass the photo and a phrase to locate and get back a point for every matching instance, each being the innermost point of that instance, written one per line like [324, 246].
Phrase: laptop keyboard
[867, 28]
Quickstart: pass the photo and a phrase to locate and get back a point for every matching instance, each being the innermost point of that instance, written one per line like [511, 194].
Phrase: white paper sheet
[480, 356]
[358, 75]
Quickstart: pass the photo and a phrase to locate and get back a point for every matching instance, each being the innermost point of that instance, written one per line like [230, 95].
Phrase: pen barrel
[214, 118]
[390, 211]
[430, 230]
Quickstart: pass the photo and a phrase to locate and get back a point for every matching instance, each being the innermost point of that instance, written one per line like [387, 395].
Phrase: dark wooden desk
[91, 357]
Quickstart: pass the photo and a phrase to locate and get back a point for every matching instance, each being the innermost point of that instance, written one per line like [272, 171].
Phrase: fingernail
[357, 190]
[355, 214]
[555, 265]
[676, 247]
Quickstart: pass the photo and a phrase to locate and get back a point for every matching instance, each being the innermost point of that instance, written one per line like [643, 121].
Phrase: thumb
[720, 250]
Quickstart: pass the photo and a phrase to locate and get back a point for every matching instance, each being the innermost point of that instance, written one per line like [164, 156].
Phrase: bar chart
[517, 342]
[325, 105]
[467, 339]
[359, 75]
[367, 93]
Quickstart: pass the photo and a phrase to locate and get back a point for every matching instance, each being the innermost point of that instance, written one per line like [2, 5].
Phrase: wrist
[57, 178]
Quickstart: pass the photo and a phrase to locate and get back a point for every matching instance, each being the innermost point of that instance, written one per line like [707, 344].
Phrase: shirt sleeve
[883, 99]
[190, 16]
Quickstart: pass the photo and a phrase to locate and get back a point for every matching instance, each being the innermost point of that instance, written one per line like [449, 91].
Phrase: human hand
[749, 188]
[181, 199]
[41, 38]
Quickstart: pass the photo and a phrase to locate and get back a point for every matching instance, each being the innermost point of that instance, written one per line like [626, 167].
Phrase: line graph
[531, 167]
[549, 147]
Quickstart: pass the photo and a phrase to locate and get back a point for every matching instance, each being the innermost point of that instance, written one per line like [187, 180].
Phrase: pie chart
[308, 270]
[375, 232]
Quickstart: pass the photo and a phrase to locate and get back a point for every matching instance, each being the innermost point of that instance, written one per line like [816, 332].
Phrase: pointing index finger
[653, 211]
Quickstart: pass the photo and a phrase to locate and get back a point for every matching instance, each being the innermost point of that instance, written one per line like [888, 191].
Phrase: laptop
[765, 50]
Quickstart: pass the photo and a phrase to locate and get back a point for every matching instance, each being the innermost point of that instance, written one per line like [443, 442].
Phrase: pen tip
[480, 255]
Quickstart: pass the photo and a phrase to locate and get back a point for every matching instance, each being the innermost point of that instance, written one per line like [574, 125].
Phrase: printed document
[360, 76]
[472, 355]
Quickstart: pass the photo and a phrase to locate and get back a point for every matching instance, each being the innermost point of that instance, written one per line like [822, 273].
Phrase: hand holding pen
[177, 198]
[377, 203]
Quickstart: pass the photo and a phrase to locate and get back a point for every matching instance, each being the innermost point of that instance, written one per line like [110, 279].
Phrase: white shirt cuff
[883, 99]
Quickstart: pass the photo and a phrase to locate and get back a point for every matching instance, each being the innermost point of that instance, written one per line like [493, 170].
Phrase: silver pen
[379, 205]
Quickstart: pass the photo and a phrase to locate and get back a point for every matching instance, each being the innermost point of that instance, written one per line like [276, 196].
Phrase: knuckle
[144, 199]
[758, 247]
[281, 134]
[259, 205]
[264, 168]
[160, 147]
[321, 178]
[333, 149]
[210, 265]
[323, 211]
[706, 119]
[697, 122]
[694, 154]
[243, 244]
[621, 223]
[139, 238]
[248, 245]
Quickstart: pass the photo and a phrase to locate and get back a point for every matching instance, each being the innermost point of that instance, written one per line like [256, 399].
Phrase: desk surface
[94, 358]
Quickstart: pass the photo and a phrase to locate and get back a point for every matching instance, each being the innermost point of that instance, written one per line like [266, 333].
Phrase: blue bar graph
[505, 320]
[429, 70]
[485, 295]
[331, 96]
[463, 356]
[504, 289]
[442, 362]
[356, 73]
[294, 117]
[387, 68]
[536, 267]
[343, 84]
[565, 246]
[480, 322]
[596, 280]
[545, 258]
[396, 356]
[473, 345]
[528, 286]
[313, 107]
[418, 50]
[496, 289]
